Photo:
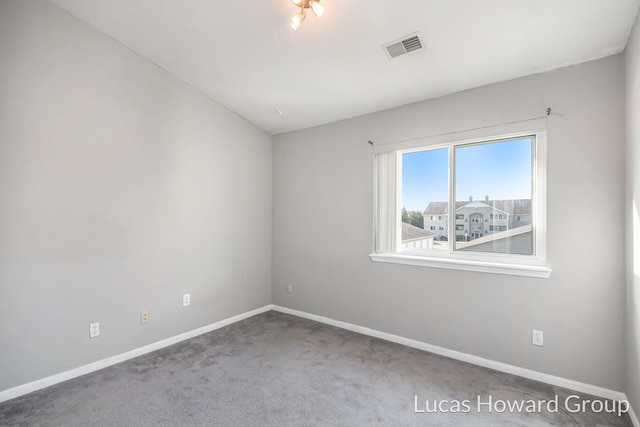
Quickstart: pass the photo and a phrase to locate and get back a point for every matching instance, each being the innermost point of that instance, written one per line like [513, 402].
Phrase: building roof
[440, 208]
[489, 238]
[411, 232]
[512, 207]
[436, 208]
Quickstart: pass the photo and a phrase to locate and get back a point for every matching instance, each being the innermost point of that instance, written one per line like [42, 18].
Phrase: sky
[501, 170]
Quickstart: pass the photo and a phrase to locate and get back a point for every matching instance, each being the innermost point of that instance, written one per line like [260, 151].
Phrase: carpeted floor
[279, 370]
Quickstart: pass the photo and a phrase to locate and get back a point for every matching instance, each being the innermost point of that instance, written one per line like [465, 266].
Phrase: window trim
[512, 264]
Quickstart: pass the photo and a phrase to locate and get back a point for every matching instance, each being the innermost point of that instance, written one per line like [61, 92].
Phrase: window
[440, 177]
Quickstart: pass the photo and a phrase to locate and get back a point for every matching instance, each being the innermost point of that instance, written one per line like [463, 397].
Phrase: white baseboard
[91, 367]
[470, 358]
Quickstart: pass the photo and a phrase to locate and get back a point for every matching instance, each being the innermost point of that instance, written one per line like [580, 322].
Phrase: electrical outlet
[144, 317]
[186, 300]
[94, 330]
[537, 338]
[289, 288]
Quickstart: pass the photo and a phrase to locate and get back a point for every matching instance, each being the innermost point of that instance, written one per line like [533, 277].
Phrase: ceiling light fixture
[315, 7]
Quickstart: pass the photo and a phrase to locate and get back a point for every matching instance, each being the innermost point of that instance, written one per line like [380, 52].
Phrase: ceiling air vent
[412, 43]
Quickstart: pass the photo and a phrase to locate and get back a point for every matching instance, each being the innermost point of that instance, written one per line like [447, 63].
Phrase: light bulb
[317, 8]
[296, 2]
[297, 20]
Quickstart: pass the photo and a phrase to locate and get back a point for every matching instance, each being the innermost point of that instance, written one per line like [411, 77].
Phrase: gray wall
[121, 188]
[323, 230]
[632, 56]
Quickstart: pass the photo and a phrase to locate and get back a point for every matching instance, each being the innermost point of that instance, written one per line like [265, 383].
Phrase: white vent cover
[408, 44]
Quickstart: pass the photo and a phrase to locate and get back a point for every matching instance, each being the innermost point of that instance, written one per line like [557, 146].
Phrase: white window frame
[388, 189]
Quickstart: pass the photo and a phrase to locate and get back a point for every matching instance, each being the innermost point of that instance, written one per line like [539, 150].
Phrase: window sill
[466, 265]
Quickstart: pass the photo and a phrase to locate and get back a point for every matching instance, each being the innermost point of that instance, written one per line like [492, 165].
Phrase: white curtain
[387, 218]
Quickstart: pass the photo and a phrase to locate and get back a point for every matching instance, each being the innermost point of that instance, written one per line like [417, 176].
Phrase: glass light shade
[297, 2]
[317, 8]
[297, 20]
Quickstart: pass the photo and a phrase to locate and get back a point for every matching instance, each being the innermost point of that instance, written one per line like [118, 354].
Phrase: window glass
[425, 178]
[494, 181]
[493, 188]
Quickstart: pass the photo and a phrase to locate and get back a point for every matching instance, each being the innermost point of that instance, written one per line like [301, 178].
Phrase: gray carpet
[279, 370]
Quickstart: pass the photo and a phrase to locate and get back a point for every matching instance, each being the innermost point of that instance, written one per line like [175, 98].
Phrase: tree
[414, 218]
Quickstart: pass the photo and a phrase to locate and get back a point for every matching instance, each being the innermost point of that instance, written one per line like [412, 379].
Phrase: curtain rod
[548, 113]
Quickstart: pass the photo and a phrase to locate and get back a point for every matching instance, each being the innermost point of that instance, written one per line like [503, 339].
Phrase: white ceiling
[245, 55]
